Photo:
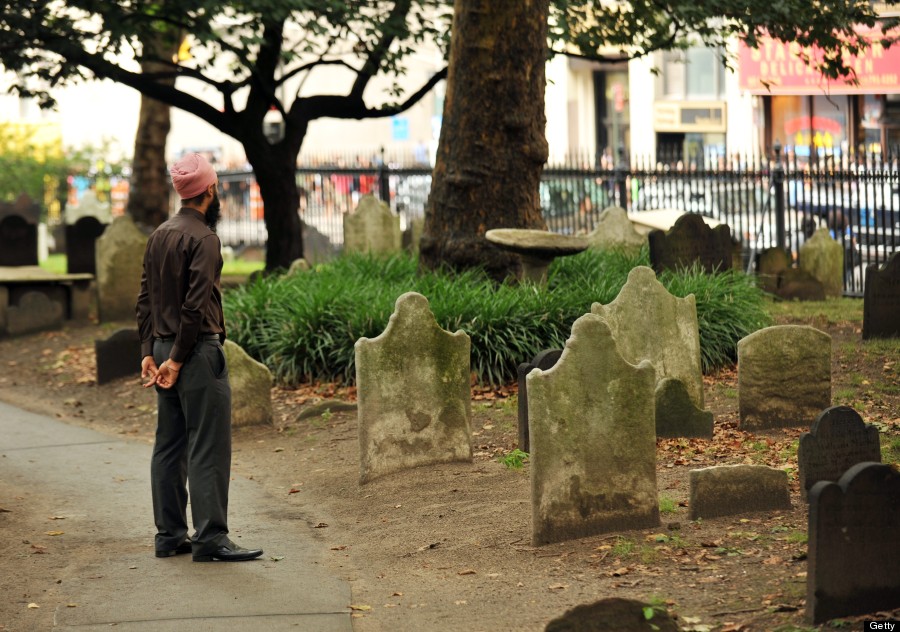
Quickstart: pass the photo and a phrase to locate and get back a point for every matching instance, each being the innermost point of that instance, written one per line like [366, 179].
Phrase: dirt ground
[449, 547]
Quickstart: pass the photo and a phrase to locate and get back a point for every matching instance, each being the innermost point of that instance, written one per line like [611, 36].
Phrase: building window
[693, 74]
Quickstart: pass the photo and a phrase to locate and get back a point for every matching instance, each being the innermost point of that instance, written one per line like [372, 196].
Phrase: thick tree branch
[391, 27]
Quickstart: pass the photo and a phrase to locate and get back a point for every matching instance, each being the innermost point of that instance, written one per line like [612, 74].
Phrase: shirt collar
[186, 210]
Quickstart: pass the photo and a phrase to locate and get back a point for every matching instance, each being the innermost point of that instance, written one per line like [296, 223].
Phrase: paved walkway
[104, 493]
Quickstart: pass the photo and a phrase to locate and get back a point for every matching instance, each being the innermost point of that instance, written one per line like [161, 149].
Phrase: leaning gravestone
[854, 550]
[118, 356]
[120, 255]
[593, 440]
[251, 387]
[543, 361]
[614, 231]
[412, 385]
[724, 490]
[613, 614]
[372, 228]
[823, 258]
[784, 376]
[34, 311]
[19, 232]
[690, 240]
[881, 302]
[649, 323]
[838, 440]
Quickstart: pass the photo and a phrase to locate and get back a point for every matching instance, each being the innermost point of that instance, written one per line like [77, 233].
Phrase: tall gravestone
[690, 240]
[649, 323]
[614, 231]
[823, 258]
[413, 391]
[19, 232]
[544, 361]
[784, 376]
[881, 302]
[85, 222]
[724, 490]
[372, 228]
[118, 356]
[251, 386]
[838, 440]
[593, 440]
[120, 258]
[854, 546]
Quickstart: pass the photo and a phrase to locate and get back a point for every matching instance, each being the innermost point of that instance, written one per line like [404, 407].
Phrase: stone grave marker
[18, 241]
[23, 207]
[676, 414]
[34, 311]
[770, 265]
[613, 614]
[317, 248]
[724, 490]
[690, 240]
[81, 245]
[251, 388]
[838, 440]
[649, 323]
[88, 206]
[412, 234]
[120, 258]
[614, 231]
[854, 546]
[823, 258]
[799, 285]
[118, 356]
[372, 228]
[593, 440]
[881, 302]
[784, 376]
[413, 393]
[543, 360]
[298, 266]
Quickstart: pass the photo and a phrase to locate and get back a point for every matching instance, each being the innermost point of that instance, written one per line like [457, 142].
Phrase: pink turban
[191, 176]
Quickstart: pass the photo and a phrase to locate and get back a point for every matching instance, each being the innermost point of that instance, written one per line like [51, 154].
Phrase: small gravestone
[120, 256]
[412, 234]
[823, 258]
[784, 376]
[770, 265]
[593, 440]
[690, 240]
[118, 356]
[614, 231]
[881, 302]
[676, 414]
[613, 614]
[799, 285]
[18, 241]
[81, 244]
[34, 311]
[88, 206]
[413, 391]
[724, 490]
[298, 266]
[251, 388]
[543, 360]
[838, 440]
[372, 228]
[854, 546]
[317, 247]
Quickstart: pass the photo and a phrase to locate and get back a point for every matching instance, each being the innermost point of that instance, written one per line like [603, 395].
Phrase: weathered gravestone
[649, 323]
[614, 231]
[412, 235]
[593, 440]
[613, 615]
[543, 360]
[413, 391]
[118, 356]
[81, 245]
[120, 257]
[372, 228]
[251, 388]
[799, 285]
[854, 548]
[881, 302]
[770, 265]
[34, 311]
[690, 240]
[317, 248]
[784, 376]
[724, 490]
[19, 232]
[298, 266]
[838, 440]
[823, 258]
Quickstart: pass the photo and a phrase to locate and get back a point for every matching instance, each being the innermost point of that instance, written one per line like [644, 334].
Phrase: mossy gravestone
[854, 548]
[251, 386]
[593, 440]
[691, 240]
[372, 228]
[543, 360]
[412, 385]
[724, 490]
[823, 258]
[614, 231]
[881, 305]
[120, 259]
[649, 323]
[784, 376]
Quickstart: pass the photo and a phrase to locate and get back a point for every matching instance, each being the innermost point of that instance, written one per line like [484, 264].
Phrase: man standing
[181, 325]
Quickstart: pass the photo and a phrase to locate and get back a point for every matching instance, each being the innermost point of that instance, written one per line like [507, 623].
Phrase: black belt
[200, 337]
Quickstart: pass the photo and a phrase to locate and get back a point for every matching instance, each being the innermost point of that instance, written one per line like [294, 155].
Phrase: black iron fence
[766, 200]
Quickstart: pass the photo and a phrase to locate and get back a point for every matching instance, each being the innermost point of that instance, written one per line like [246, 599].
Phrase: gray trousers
[193, 448]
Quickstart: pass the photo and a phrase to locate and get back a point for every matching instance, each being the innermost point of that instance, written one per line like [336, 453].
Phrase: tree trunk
[492, 147]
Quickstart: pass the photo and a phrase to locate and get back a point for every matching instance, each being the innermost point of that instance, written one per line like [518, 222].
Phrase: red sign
[778, 68]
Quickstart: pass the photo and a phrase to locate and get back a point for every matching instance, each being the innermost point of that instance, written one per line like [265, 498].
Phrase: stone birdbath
[537, 248]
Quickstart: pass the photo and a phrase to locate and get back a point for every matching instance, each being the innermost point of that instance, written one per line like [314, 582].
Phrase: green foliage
[304, 326]
[667, 504]
[515, 459]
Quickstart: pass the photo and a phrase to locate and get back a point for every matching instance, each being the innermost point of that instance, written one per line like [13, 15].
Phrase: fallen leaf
[56, 518]
[339, 548]
[389, 605]
[33, 606]
[294, 491]
[71, 605]
[467, 571]
[132, 567]
[773, 560]
[619, 572]
[362, 607]
[460, 602]
[278, 450]
[55, 532]
[276, 558]
[4, 510]
[321, 525]
[557, 586]
[397, 594]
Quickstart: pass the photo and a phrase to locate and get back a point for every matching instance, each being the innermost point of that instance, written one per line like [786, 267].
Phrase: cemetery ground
[449, 546]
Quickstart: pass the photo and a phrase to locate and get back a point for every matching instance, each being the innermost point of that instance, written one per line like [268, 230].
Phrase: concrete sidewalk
[104, 490]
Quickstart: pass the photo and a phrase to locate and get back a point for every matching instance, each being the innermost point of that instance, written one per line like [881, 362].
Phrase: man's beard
[212, 212]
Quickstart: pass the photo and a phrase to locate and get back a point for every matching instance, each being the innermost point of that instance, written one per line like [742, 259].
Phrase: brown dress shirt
[180, 294]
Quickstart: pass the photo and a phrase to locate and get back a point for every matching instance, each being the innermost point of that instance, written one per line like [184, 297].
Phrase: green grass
[833, 310]
[667, 504]
[623, 547]
[890, 449]
[56, 263]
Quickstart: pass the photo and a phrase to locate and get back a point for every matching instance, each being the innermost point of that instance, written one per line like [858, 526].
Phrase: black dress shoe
[184, 547]
[228, 552]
